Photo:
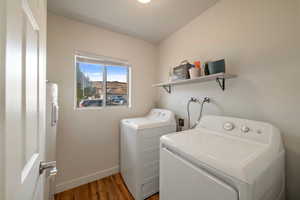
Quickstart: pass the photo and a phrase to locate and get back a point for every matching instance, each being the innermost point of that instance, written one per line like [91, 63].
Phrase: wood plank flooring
[110, 188]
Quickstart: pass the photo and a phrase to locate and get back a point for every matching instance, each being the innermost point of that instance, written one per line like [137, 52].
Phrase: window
[101, 82]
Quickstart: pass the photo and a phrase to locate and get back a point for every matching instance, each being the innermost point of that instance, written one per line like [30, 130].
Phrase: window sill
[102, 108]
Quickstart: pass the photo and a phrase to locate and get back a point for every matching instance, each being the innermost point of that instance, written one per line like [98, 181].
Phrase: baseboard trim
[85, 179]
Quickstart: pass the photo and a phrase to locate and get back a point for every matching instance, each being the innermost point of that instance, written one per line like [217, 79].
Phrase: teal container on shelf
[216, 67]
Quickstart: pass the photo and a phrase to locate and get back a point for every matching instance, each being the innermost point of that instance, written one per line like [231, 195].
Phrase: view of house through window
[101, 83]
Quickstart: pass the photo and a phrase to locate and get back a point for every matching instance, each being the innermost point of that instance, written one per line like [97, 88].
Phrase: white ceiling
[152, 22]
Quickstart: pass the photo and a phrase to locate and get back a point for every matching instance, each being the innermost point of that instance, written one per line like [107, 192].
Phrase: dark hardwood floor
[110, 188]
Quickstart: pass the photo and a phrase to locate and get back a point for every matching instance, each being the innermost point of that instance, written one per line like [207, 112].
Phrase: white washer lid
[239, 158]
[156, 118]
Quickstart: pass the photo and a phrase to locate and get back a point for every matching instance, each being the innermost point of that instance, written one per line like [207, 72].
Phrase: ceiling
[152, 22]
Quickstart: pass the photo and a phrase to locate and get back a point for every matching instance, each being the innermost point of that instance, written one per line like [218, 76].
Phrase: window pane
[90, 91]
[117, 85]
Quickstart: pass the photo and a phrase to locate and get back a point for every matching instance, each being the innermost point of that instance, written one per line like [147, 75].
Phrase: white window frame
[109, 61]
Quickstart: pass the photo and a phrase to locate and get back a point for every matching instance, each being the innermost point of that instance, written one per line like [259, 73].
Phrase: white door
[24, 118]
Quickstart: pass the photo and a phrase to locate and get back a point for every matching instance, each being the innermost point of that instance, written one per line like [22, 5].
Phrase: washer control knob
[245, 129]
[228, 126]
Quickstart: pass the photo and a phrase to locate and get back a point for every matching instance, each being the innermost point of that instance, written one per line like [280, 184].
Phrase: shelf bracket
[167, 88]
[221, 82]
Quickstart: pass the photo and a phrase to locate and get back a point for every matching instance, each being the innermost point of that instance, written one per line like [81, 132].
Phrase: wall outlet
[181, 122]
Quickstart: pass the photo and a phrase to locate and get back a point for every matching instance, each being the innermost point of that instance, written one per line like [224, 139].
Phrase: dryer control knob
[245, 129]
[228, 126]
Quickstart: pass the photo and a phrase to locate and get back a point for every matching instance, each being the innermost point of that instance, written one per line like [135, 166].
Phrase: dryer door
[180, 179]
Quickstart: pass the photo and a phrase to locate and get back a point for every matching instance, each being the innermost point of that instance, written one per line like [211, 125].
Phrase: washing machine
[140, 140]
[223, 158]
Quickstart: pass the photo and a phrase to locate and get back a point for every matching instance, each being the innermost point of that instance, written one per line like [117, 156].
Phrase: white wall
[88, 141]
[260, 42]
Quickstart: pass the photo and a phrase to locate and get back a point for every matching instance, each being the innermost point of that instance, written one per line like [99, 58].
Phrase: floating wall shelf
[220, 78]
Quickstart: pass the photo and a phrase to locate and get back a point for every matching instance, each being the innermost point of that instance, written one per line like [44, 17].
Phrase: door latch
[51, 166]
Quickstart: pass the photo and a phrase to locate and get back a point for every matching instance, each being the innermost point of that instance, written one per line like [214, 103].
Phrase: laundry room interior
[161, 100]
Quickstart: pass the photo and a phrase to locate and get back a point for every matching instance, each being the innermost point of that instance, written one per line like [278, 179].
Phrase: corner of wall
[156, 75]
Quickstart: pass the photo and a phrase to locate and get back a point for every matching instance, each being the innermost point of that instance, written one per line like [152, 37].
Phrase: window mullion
[104, 85]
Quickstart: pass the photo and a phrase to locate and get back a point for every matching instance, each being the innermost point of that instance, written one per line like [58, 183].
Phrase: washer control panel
[247, 129]
[161, 115]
